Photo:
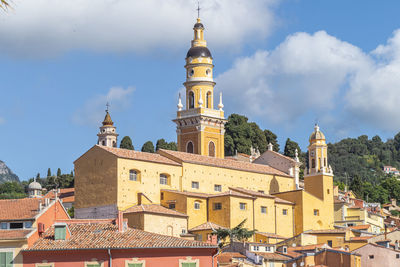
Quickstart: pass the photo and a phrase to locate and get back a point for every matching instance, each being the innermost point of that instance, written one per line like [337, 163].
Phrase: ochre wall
[96, 179]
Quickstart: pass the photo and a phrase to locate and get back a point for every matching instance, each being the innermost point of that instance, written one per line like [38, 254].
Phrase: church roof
[154, 208]
[317, 134]
[138, 155]
[222, 163]
[198, 51]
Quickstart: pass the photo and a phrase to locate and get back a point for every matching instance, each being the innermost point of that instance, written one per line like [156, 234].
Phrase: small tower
[318, 153]
[200, 127]
[108, 134]
[34, 189]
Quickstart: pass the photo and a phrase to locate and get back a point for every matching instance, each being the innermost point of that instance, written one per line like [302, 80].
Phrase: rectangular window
[135, 264]
[171, 206]
[330, 243]
[188, 264]
[93, 265]
[16, 225]
[3, 225]
[217, 187]
[242, 206]
[60, 232]
[163, 179]
[28, 224]
[6, 259]
[196, 205]
[256, 248]
[133, 175]
[162, 196]
[284, 211]
[195, 185]
[371, 257]
[261, 191]
[263, 209]
[217, 206]
[397, 256]
[316, 212]
[267, 249]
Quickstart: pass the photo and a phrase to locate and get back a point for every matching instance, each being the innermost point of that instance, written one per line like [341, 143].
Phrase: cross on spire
[107, 106]
[198, 9]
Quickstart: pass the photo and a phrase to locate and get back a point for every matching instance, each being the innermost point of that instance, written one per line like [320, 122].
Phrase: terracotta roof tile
[222, 163]
[260, 194]
[138, 155]
[19, 209]
[14, 234]
[273, 256]
[67, 195]
[207, 226]
[271, 235]
[90, 236]
[280, 155]
[186, 193]
[226, 257]
[154, 208]
[360, 238]
[326, 231]
[309, 247]
[361, 227]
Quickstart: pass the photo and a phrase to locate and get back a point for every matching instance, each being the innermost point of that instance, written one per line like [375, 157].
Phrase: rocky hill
[6, 175]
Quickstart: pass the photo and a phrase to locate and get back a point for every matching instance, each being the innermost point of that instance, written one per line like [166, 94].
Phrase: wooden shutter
[135, 264]
[9, 259]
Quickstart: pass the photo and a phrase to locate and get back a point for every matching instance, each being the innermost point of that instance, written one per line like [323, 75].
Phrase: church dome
[34, 186]
[199, 25]
[107, 120]
[317, 134]
[198, 51]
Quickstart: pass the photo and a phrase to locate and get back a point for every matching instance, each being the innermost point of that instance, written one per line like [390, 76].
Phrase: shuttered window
[135, 264]
[93, 265]
[60, 232]
[6, 259]
[188, 264]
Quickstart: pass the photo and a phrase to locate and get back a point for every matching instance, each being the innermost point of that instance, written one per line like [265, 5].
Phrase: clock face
[312, 153]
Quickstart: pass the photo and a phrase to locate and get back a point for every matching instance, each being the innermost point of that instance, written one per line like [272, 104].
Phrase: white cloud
[47, 27]
[320, 75]
[92, 112]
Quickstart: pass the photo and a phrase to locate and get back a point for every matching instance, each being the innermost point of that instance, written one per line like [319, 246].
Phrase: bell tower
[108, 134]
[200, 127]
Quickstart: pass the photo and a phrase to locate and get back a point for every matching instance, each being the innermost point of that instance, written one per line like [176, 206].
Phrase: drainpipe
[275, 220]
[110, 260]
[218, 252]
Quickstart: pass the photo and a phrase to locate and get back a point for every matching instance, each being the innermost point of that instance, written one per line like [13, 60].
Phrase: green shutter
[189, 264]
[93, 265]
[135, 264]
[2, 259]
[60, 232]
[9, 259]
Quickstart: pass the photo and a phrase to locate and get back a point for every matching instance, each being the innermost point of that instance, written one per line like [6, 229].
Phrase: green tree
[37, 176]
[240, 131]
[290, 148]
[71, 212]
[238, 233]
[162, 144]
[48, 172]
[357, 186]
[229, 145]
[272, 138]
[58, 172]
[148, 147]
[257, 137]
[126, 143]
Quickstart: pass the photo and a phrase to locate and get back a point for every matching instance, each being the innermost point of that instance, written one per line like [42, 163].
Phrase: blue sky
[282, 63]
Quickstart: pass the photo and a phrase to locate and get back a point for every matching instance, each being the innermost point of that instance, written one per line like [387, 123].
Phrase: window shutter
[60, 232]
[93, 265]
[9, 259]
[135, 264]
[2, 259]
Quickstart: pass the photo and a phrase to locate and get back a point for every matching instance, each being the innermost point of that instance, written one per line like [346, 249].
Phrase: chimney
[212, 239]
[122, 225]
[40, 206]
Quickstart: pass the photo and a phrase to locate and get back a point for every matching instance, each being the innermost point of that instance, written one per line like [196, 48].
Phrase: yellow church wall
[149, 183]
[208, 176]
[178, 199]
[338, 210]
[95, 183]
[222, 216]
[297, 198]
[284, 223]
[238, 215]
[260, 218]
[196, 217]
[201, 235]
[338, 239]
[135, 220]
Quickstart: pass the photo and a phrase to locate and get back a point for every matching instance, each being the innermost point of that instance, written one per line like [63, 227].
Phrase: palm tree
[4, 4]
[238, 233]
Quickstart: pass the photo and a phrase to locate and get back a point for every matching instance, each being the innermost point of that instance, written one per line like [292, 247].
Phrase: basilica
[195, 190]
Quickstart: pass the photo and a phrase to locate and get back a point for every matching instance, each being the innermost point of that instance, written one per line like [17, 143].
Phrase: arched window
[134, 175]
[103, 143]
[191, 99]
[313, 163]
[114, 144]
[211, 149]
[208, 100]
[189, 147]
[324, 162]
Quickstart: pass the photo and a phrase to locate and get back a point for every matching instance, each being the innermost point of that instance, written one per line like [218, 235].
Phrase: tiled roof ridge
[221, 162]
[281, 155]
[155, 209]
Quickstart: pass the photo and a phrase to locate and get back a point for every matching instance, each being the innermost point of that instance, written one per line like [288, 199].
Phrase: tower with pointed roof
[108, 134]
[200, 127]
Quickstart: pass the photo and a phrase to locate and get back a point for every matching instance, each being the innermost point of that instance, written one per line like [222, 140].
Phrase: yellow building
[198, 181]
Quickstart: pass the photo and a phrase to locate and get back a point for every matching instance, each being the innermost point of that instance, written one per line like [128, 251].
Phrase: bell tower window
[189, 147]
[191, 99]
[313, 163]
[211, 149]
[208, 100]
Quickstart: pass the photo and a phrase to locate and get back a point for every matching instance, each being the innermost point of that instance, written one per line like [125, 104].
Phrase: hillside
[6, 175]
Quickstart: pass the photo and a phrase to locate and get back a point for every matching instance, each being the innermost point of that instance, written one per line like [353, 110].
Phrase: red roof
[67, 195]
[19, 209]
[260, 194]
[226, 257]
[14, 234]
[222, 163]
[360, 238]
[106, 235]
[361, 227]
[207, 226]
[273, 256]
[154, 208]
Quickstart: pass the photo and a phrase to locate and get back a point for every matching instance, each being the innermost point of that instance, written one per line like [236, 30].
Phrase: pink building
[100, 243]
[373, 255]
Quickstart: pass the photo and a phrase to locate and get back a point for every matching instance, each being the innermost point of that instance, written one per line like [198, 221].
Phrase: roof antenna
[198, 9]
[107, 107]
